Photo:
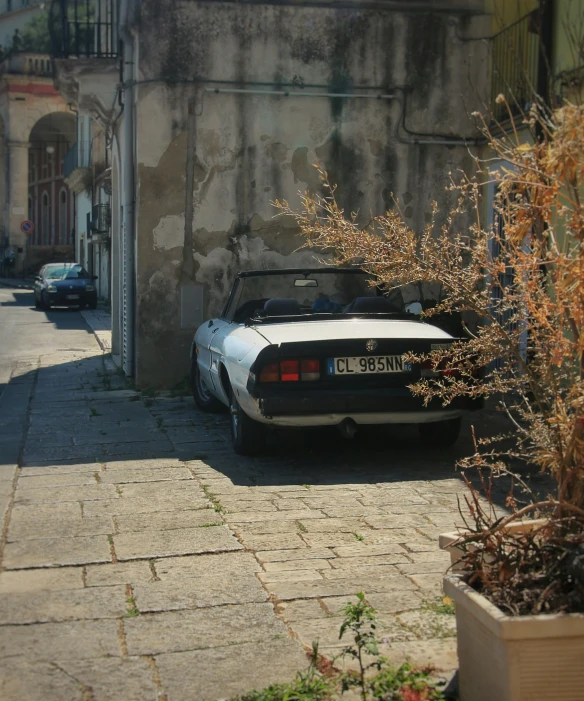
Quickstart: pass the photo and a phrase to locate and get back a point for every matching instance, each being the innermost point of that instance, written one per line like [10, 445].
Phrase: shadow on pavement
[83, 411]
[59, 317]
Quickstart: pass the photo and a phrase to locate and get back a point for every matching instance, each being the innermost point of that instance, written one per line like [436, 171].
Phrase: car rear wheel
[201, 394]
[248, 436]
[440, 434]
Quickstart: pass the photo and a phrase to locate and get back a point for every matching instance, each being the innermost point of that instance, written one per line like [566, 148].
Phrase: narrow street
[141, 559]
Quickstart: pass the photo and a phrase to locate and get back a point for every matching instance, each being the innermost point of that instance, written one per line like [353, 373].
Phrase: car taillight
[289, 370]
[309, 370]
[427, 370]
[270, 373]
[306, 369]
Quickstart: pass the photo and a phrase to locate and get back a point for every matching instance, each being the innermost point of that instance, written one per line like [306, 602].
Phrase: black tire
[248, 436]
[440, 434]
[44, 303]
[203, 398]
[37, 304]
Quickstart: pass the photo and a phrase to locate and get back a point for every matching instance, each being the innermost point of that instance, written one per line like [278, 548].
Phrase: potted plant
[519, 286]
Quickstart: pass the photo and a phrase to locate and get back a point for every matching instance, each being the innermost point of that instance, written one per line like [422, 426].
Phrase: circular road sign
[27, 227]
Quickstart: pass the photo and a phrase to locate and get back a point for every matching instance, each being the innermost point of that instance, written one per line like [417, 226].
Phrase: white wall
[22, 12]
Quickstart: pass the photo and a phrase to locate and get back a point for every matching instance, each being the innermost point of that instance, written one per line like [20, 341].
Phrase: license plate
[367, 365]
[72, 296]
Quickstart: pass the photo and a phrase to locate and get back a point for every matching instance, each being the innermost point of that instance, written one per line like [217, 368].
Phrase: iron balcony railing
[520, 55]
[84, 28]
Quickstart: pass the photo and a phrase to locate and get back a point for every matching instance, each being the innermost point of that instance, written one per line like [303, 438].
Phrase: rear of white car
[289, 362]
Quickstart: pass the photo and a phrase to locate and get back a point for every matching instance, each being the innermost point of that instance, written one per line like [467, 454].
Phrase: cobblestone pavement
[142, 559]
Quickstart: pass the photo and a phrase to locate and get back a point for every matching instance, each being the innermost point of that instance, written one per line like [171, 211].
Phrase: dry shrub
[529, 345]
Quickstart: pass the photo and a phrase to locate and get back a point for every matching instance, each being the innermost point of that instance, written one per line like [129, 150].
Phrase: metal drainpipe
[371, 96]
[129, 190]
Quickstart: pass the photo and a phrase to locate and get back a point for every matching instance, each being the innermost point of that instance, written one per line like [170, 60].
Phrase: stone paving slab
[63, 605]
[55, 552]
[216, 626]
[168, 520]
[180, 541]
[63, 641]
[132, 572]
[223, 672]
[217, 565]
[17, 581]
[199, 592]
[75, 493]
[128, 505]
[27, 527]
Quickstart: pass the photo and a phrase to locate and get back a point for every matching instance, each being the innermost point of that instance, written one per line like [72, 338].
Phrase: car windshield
[66, 272]
[308, 293]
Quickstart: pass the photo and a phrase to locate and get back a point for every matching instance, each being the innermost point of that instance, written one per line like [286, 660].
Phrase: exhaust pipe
[348, 428]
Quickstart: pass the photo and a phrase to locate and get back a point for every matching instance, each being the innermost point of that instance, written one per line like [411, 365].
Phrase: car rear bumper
[372, 406]
[362, 419]
[62, 299]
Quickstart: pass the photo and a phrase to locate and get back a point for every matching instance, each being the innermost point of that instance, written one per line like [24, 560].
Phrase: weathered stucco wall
[210, 164]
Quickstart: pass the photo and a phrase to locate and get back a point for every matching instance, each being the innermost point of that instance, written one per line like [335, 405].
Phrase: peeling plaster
[170, 233]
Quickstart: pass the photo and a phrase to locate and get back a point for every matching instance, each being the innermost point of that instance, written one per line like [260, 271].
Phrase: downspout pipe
[128, 262]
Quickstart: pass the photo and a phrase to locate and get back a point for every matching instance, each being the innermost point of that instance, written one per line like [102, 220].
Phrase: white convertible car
[316, 347]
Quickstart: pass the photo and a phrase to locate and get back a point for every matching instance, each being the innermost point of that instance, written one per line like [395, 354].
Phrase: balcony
[27, 63]
[84, 28]
[520, 54]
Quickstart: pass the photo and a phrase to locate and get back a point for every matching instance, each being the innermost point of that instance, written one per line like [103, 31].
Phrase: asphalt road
[27, 335]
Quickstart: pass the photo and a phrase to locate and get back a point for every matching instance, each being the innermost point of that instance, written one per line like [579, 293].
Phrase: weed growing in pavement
[358, 536]
[311, 685]
[133, 610]
[94, 412]
[180, 390]
[301, 527]
[374, 680]
[148, 402]
[213, 499]
[443, 606]
[307, 486]
[210, 525]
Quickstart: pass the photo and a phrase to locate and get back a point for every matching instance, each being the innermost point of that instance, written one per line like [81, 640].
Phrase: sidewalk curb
[100, 324]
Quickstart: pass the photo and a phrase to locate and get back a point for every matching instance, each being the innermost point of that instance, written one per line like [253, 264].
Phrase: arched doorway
[50, 139]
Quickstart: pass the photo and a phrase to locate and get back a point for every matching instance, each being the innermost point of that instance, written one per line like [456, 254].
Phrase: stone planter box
[515, 658]
[447, 541]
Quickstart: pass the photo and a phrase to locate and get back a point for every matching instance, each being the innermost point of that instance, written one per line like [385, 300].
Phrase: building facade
[213, 110]
[36, 131]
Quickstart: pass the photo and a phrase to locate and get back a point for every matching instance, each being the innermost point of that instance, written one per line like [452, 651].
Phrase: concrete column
[17, 199]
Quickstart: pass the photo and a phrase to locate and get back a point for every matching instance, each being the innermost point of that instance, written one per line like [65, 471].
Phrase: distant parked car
[317, 347]
[64, 285]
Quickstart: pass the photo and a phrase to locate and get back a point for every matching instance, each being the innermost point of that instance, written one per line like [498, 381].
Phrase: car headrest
[282, 306]
[372, 305]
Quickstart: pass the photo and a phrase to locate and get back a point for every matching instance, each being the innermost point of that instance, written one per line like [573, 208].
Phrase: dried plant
[523, 279]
